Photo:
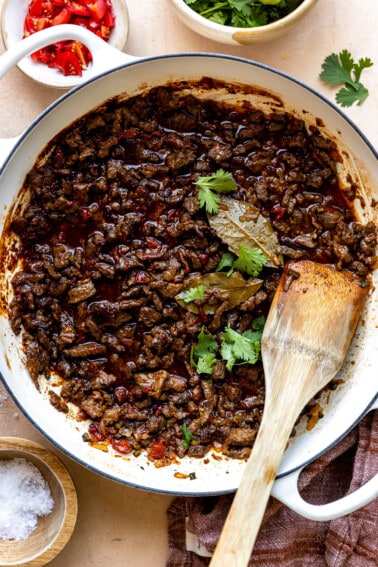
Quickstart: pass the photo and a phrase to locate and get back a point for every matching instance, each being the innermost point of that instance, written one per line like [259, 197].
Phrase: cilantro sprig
[249, 261]
[219, 182]
[202, 354]
[244, 347]
[235, 347]
[195, 293]
[342, 69]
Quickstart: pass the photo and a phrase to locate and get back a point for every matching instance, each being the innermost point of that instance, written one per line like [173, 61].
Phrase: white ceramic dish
[12, 22]
[239, 36]
[343, 408]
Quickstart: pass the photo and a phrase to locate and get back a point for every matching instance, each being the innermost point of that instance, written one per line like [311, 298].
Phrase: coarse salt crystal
[24, 495]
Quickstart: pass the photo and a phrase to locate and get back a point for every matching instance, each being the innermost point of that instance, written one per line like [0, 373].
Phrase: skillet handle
[105, 57]
[286, 490]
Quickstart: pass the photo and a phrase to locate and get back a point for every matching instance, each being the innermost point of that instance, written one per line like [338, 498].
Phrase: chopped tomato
[63, 17]
[95, 433]
[78, 9]
[121, 445]
[68, 57]
[68, 62]
[157, 452]
[98, 10]
[34, 24]
[43, 55]
[36, 8]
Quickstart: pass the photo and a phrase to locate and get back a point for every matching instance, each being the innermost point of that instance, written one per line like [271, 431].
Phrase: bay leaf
[239, 223]
[238, 289]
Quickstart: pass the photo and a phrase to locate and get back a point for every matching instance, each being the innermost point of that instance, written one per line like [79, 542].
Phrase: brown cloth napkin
[285, 538]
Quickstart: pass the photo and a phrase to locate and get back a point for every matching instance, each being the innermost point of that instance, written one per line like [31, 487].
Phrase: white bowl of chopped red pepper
[64, 63]
[148, 214]
[243, 23]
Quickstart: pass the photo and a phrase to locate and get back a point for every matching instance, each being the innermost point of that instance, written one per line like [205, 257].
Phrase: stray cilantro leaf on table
[342, 69]
[220, 182]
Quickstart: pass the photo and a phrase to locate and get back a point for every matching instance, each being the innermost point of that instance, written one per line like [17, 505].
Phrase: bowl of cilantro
[241, 22]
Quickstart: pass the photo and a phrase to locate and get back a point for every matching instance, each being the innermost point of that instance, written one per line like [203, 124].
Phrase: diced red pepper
[69, 57]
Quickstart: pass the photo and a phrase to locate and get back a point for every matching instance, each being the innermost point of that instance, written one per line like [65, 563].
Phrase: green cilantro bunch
[243, 13]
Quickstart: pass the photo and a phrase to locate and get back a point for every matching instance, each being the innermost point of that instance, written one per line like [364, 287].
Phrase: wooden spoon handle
[282, 408]
[245, 516]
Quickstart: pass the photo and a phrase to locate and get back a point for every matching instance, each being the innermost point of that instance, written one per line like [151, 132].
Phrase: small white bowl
[53, 531]
[239, 36]
[12, 23]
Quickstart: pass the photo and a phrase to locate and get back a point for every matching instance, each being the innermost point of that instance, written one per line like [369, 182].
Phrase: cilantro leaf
[347, 95]
[209, 200]
[342, 69]
[206, 363]
[363, 63]
[243, 347]
[188, 437]
[205, 344]
[335, 72]
[202, 354]
[258, 323]
[227, 261]
[194, 293]
[220, 182]
[250, 261]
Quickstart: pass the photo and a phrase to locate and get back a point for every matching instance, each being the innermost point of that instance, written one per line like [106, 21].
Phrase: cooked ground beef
[114, 229]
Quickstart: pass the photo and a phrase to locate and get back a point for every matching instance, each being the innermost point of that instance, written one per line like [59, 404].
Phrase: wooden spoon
[310, 325]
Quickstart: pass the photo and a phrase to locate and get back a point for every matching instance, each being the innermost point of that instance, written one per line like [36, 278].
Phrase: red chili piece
[69, 57]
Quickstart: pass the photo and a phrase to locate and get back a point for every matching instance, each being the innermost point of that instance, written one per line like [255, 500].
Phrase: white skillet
[113, 73]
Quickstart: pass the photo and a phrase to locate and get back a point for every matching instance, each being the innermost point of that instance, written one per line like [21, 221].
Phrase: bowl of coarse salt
[38, 503]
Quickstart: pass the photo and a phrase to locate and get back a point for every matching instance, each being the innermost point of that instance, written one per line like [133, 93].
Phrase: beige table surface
[117, 525]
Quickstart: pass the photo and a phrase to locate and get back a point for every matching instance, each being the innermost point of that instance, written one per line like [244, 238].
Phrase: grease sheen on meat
[112, 231]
